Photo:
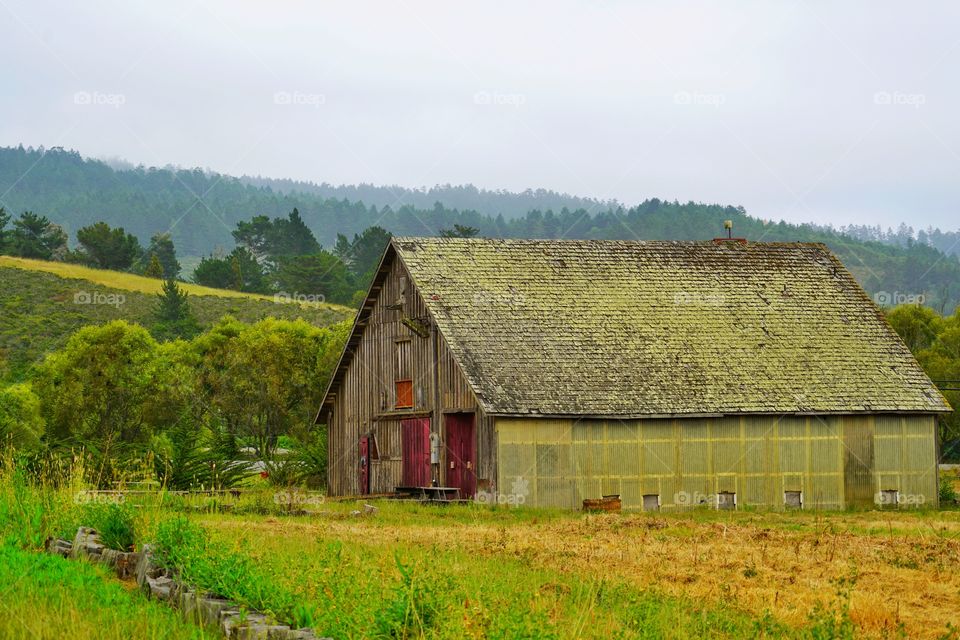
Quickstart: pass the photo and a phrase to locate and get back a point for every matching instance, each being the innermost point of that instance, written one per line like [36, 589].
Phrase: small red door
[364, 469]
[461, 454]
[415, 445]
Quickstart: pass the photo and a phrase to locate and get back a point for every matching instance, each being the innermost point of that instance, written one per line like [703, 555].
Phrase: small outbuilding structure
[672, 374]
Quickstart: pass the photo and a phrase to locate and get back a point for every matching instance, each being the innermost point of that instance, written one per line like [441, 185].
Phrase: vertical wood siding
[366, 396]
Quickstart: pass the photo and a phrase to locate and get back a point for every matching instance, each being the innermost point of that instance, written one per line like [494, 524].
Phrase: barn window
[403, 376]
[793, 499]
[651, 502]
[726, 500]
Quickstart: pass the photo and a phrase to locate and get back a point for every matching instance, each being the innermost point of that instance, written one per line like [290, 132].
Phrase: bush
[948, 492]
[116, 524]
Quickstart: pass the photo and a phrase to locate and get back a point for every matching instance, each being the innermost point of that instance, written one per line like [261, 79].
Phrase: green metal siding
[836, 461]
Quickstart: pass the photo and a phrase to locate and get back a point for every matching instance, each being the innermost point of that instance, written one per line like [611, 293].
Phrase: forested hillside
[201, 210]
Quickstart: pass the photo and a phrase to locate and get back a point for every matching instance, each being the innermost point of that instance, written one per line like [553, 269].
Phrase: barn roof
[624, 328]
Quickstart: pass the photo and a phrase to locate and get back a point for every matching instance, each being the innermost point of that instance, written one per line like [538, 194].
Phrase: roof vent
[728, 225]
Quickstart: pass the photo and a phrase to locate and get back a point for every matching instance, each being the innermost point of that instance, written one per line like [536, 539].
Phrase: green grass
[45, 596]
[39, 311]
[471, 571]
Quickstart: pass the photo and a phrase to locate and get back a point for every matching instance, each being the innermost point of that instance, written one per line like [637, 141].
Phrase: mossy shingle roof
[624, 328]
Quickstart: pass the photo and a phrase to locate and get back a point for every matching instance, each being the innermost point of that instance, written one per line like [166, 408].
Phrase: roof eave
[363, 313]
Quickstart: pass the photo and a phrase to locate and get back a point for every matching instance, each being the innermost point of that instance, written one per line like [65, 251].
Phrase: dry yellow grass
[897, 568]
[133, 282]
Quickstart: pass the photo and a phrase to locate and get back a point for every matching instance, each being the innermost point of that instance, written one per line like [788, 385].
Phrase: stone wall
[162, 584]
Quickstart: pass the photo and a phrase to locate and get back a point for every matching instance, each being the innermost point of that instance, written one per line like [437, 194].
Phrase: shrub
[116, 524]
[948, 493]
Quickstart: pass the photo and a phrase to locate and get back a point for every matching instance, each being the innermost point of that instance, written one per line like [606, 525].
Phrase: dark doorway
[461, 454]
[415, 443]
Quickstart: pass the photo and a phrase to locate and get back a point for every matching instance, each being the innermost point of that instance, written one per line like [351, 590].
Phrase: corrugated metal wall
[834, 461]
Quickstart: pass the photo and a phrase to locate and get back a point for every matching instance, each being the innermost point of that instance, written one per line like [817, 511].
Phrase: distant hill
[201, 208]
[466, 197]
[42, 303]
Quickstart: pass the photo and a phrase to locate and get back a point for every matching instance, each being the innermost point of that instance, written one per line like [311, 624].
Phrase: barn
[673, 374]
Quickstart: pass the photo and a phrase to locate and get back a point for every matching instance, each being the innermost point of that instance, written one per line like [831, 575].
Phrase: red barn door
[364, 469]
[461, 454]
[415, 444]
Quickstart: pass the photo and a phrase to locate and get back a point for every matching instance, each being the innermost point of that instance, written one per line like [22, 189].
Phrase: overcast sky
[807, 111]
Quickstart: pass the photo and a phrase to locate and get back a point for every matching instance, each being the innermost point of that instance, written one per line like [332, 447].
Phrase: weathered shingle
[662, 328]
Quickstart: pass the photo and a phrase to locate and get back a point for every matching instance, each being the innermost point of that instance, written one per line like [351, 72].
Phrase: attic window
[793, 499]
[404, 394]
[726, 500]
[651, 502]
[403, 375]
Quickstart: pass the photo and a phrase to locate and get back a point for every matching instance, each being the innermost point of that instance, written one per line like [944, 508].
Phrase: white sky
[807, 111]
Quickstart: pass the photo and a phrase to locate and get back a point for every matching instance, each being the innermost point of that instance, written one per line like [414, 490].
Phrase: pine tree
[173, 316]
[155, 270]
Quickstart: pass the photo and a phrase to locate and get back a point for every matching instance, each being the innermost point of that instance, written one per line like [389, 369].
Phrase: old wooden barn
[670, 373]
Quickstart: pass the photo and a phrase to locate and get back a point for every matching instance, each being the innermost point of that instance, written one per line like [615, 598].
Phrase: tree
[363, 254]
[21, 421]
[320, 274]
[238, 271]
[293, 237]
[460, 231]
[265, 380]
[917, 325]
[107, 248]
[97, 388]
[4, 232]
[272, 240]
[161, 247]
[155, 269]
[34, 236]
[173, 317]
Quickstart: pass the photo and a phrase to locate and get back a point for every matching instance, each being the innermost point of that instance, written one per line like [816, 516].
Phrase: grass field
[130, 281]
[469, 571]
[42, 303]
[569, 575]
